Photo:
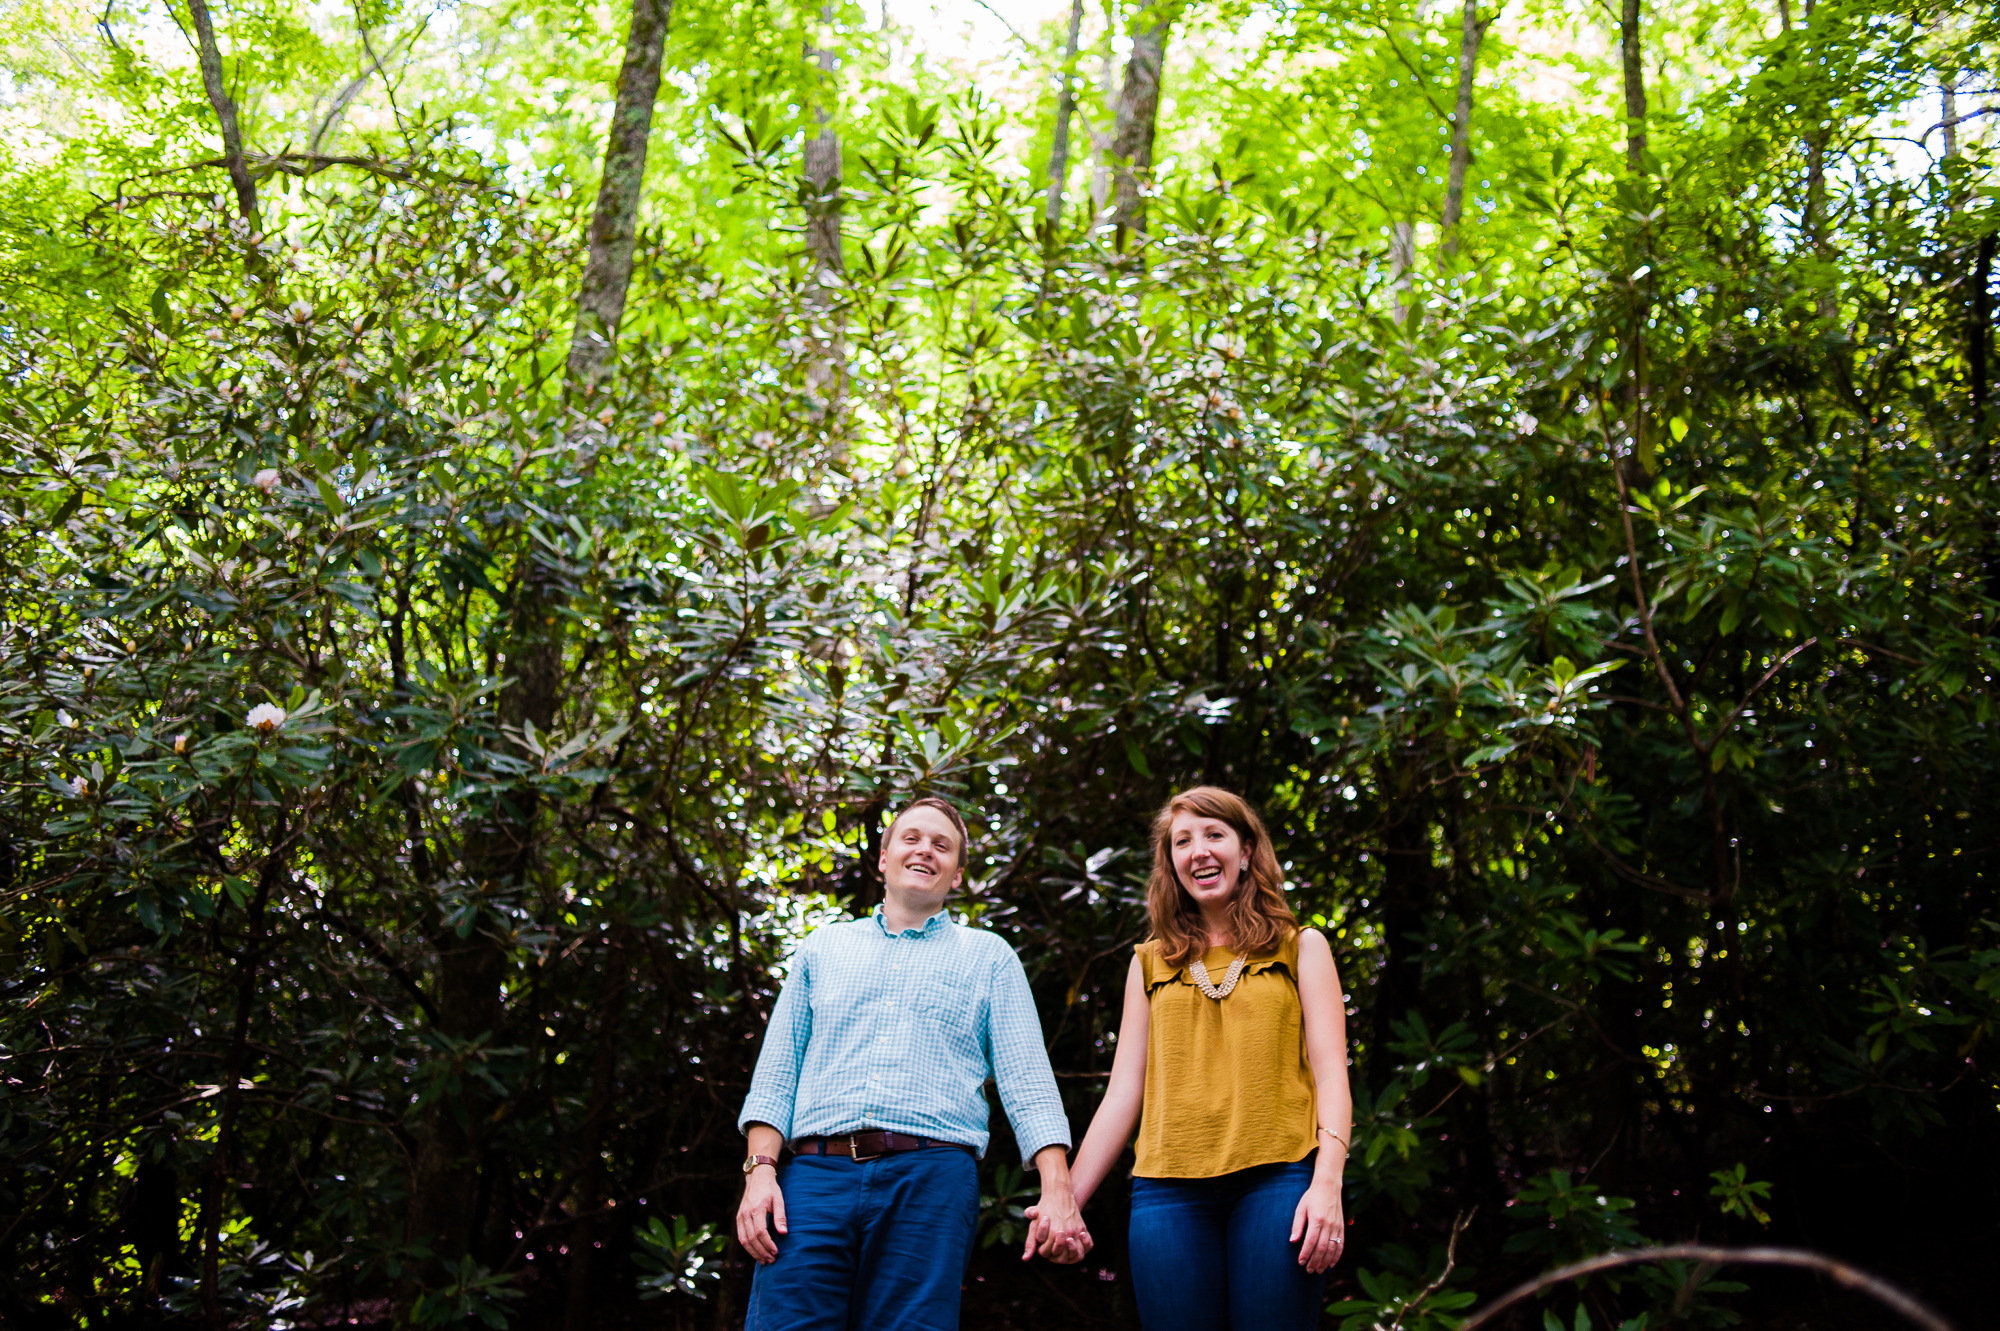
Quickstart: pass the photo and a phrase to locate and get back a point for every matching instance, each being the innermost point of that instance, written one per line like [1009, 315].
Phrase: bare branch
[345, 97]
[1458, 1224]
[1852, 1277]
[1776, 666]
[1880, 651]
[1423, 84]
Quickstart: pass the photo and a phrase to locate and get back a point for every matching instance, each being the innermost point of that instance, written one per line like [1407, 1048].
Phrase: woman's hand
[1320, 1222]
[1056, 1232]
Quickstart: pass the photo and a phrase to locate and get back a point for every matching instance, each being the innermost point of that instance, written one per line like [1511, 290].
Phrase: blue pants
[1214, 1254]
[876, 1246]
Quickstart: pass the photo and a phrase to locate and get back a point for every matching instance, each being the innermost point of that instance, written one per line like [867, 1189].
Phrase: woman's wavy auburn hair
[1258, 917]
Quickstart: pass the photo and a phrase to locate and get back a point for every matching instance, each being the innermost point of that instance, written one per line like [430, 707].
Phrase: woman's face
[1209, 857]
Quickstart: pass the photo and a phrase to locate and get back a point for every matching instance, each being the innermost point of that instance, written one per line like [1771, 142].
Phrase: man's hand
[761, 1197]
[1055, 1225]
[1056, 1231]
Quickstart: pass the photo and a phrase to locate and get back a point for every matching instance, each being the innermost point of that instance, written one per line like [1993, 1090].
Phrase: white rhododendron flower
[65, 720]
[80, 787]
[266, 480]
[264, 717]
[180, 744]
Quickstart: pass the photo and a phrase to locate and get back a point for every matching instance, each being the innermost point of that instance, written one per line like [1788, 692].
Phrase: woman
[1232, 1064]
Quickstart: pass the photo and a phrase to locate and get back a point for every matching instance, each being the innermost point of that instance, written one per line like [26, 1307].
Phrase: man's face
[920, 857]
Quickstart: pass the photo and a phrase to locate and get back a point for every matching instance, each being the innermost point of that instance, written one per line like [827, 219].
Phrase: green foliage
[1628, 839]
[1003, 1211]
[472, 1292]
[1406, 1293]
[1582, 1322]
[680, 1259]
[1739, 1194]
[1577, 1220]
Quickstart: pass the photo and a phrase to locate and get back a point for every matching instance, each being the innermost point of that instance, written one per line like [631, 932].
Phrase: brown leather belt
[865, 1146]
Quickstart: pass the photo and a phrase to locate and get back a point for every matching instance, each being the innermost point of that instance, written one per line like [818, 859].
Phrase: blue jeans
[1214, 1254]
[876, 1246]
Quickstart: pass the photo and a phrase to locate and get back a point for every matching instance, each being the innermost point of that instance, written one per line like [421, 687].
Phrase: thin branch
[388, 86]
[397, 971]
[1850, 1276]
[1880, 651]
[341, 101]
[1776, 666]
[1423, 84]
[1491, 1064]
[1458, 1224]
[1639, 590]
[1954, 122]
[1642, 878]
[1005, 24]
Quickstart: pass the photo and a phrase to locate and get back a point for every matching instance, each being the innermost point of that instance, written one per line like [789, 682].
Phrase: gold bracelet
[1337, 1137]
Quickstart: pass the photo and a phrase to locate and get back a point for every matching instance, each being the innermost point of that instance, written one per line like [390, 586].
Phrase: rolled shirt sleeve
[774, 1086]
[1020, 1061]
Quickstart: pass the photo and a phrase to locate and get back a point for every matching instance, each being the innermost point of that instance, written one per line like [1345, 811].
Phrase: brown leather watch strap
[752, 1162]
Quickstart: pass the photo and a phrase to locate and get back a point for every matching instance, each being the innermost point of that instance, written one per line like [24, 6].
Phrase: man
[874, 1067]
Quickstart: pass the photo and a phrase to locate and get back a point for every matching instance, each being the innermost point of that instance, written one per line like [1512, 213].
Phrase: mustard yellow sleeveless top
[1228, 1085]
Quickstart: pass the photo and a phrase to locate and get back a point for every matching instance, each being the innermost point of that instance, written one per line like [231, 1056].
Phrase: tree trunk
[1635, 86]
[828, 369]
[237, 1063]
[1950, 117]
[443, 1216]
[1402, 258]
[225, 113]
[1100, 139]
[1980, 331]
[589, 1194]
[1979, 339]
[1632, 54]
[1472, 31]
[1139, 112]
[607, 273]
[152, 1225]
[1815, 214]
[1406, 904]
[443, 1212]
[1065, 109]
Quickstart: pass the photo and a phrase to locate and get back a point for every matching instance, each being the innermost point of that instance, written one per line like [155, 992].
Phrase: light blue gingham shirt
[875, 1030]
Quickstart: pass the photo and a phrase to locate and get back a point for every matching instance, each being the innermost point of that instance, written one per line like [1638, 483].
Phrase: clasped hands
[1055, 1225]
[1056, 1229]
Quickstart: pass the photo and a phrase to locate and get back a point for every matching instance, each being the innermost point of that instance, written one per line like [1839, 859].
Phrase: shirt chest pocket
[945, 996]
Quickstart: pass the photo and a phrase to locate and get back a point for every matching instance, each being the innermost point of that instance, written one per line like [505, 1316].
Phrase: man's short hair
[949, 810]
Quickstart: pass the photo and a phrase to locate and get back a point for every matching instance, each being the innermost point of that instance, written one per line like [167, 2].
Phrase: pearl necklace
[1198, 969]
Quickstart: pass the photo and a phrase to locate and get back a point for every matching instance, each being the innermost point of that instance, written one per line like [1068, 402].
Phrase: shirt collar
[937, 921]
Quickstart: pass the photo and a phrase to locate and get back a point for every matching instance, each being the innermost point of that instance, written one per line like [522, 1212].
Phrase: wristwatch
[756, 1160]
